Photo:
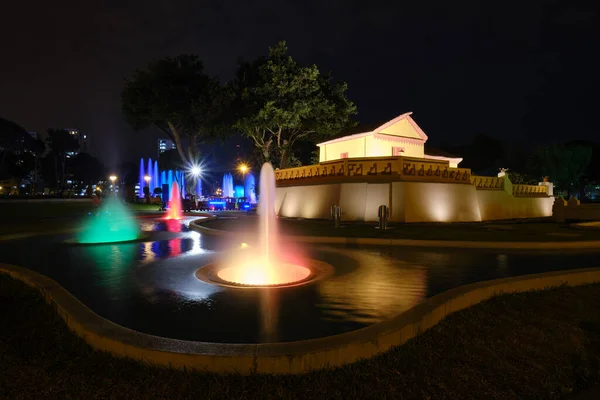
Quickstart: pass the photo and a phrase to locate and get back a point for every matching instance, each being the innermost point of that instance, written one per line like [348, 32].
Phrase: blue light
[246, 205]
[214, 203]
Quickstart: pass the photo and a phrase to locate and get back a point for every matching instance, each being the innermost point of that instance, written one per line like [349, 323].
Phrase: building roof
[367, 130]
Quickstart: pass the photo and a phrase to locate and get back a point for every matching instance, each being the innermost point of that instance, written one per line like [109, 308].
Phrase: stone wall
[573, 210]
[415, 191]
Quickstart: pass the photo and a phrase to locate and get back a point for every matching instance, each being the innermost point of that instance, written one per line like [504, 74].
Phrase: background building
[164, 145]
[82, 140]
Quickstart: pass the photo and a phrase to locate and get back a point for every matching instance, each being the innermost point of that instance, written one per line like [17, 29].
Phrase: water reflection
[111, 266]
[164, 249]
[269, 307]
[162, 225]
[380, 288]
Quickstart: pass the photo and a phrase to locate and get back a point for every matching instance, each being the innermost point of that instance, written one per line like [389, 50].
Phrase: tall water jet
[174, 211]
[141, 181]
[155, 176]
[199, 187]
[227, 185]
[264, 265]
[163, 178]
[149, 173]
[249, 189]
[267, 217]
[113, 223]
[170, 179]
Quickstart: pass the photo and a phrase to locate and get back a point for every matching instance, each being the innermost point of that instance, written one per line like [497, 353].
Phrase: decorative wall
[415, 190]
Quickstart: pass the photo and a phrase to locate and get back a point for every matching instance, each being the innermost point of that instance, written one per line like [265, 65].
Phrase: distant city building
[164, 145]
[82, 140]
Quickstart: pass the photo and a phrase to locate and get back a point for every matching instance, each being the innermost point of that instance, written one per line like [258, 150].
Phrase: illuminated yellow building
[390, 165]
[398, 137]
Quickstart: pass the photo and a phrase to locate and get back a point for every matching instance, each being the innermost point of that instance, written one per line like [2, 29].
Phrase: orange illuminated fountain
[174, 211]
[267, 265]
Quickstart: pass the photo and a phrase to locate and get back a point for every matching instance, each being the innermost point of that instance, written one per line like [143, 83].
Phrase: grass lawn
[535, 345]
[517, 231]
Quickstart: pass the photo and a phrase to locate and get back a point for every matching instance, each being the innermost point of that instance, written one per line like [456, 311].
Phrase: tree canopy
[279, 102]
[86, 168]
[13, 137]
[60, 143]
[176, 96]
[564, 164]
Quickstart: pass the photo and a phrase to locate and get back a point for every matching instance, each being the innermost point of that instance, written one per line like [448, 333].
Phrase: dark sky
[520, 70]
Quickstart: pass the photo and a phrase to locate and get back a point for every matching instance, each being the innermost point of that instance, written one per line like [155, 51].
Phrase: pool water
[150, 286]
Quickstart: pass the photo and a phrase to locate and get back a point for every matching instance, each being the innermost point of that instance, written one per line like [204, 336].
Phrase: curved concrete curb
[282, 358]
[455, 244]
[592, 225]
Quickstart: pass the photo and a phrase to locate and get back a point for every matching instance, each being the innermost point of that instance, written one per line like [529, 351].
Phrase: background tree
[177, 97]
[14, 140]
[169, 160]
[19, 165]
[483, 155]
[564, 164]
[87, 169]
[60, 143]
[38, 150]
[279, 102]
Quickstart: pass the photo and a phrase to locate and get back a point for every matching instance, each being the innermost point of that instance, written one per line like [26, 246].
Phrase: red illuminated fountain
[265, 265]
[174, 211]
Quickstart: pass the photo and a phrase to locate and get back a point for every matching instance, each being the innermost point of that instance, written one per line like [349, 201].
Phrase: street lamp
[147, 179]
[243, 168]
[195, 170]
[113, 178]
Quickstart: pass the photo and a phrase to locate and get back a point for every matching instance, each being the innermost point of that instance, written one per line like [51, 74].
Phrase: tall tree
[564, 164]
[61, 143]
[279, 102]
[169, 160]
[86, 168]
[483, 155]
[177, 97]
[14, 139]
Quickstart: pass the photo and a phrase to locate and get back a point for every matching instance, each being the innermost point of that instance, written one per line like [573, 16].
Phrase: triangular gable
[402, 126]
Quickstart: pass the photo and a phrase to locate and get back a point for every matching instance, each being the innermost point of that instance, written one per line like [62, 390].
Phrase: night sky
[519, 70]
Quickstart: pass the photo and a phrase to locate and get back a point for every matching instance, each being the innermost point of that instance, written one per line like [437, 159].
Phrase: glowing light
[265, 265]
[195, 170]
[243, 168]
[261, 273]
[112, 178]
[147, 178]
[196, 244]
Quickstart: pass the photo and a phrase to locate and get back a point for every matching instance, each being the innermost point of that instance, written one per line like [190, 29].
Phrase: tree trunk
[178, 143]
[56, 180]
[265, 151]
[62, 172]
[283, 160]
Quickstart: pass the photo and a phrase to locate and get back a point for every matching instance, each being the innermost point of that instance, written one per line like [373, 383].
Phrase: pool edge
[282, 358]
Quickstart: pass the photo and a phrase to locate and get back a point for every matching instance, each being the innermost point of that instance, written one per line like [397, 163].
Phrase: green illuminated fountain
[113, 223]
